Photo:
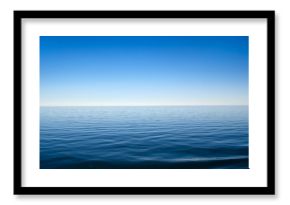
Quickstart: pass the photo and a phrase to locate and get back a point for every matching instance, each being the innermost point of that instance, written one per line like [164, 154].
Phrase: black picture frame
[269, 189]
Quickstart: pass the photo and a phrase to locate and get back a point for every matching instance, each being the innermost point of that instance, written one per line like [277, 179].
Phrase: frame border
[269, 190]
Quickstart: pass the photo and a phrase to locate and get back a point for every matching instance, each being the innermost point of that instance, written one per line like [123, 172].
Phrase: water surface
[169, 137]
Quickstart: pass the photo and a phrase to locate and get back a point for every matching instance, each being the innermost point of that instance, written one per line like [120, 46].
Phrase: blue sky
[143, 70]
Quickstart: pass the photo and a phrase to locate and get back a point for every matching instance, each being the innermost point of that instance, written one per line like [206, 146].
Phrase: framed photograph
[144, 102]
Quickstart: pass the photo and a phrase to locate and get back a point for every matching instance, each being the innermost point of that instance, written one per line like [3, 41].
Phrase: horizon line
[137, 105]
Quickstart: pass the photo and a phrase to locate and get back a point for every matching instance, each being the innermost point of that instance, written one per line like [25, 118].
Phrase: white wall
[282, 98]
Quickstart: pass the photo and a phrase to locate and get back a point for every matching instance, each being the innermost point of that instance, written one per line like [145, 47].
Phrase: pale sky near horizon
[143, 70]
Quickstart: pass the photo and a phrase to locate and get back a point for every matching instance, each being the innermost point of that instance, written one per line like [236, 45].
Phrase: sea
[144, 137]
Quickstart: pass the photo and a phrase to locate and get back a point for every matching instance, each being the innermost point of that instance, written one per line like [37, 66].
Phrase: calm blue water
[189, 137]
